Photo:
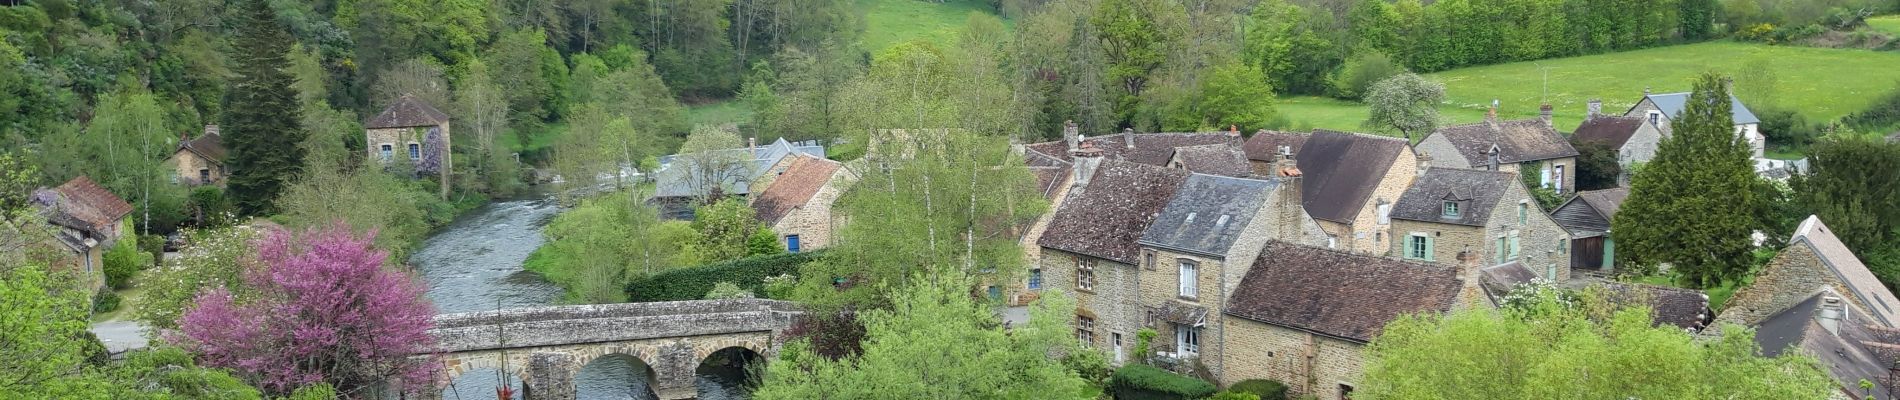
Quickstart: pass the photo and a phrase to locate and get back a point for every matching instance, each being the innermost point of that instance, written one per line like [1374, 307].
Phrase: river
[474, 264]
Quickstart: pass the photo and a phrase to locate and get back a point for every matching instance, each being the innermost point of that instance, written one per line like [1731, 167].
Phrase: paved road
[120, 336]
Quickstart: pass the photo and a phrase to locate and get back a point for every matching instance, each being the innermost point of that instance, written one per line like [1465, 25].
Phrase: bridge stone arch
[547, 346]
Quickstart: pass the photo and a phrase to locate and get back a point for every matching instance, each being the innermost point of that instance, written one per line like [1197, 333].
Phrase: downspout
[1220, 335]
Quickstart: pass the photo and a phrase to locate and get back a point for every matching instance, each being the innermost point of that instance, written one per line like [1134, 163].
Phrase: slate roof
[1107, 218]
[1609, 130]
[1683, 308]
[210, 146]
[1517, 141]
[1853, 273]
[1858, 352]
[1150, 148]
[1606, 201]
[1207, 213]
[1223, 159]
[82, 204]
[1476, 191]
[1338, 294]
[1341, 170]
[1049, 179]
[407, 112]
[794, 187]
[1672, 105]
[675, 182]
[1264, 145]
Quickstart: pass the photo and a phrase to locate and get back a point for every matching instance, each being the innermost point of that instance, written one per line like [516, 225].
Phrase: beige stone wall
[1161, 284]
[812, 221]
[1790, 278]
[1307, 363]
[1543, 246]
[1020, 293]
[1114, 302]
[1373, 237]
[758, 185]
[399, 140]
[185, 165]
[1569, 173]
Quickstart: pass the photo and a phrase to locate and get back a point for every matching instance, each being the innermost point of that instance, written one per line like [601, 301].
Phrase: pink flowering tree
[327, 311]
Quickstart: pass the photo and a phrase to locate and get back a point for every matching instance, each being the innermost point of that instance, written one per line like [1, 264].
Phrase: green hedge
[1142, 382]
[1267, 389]
[692, 283]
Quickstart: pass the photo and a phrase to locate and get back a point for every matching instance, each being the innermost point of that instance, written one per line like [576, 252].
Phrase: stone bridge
[546, 346]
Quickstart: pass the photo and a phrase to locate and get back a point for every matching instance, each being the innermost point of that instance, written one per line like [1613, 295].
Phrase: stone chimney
[1493, 155]
[1233, 131]
[211, 130]
[1424, 163]
[751, 142]
[1491, 116]
[1128, 137]
[1831, 314]
[1543, 113]
[1645, 91]
[1086, 158]
[1595, 109]
[1071, 135]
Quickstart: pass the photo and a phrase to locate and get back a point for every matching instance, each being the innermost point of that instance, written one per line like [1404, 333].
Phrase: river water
[475, 264]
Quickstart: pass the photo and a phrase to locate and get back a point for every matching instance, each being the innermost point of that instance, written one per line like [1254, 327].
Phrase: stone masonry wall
[1114, 302]
[1790, 278]
[186, 165]
[1307, 363]
[1542, 244]
[812, 221]
[1162, 284]
[398, 140]
[1368, 236]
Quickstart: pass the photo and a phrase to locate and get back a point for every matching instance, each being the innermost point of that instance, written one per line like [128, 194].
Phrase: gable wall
[1115, 301]
[1367, 235]
[1790, 278]
[185, 166]
[1306, 363]
[812, 221]
[1443, 153]
[1542, 244]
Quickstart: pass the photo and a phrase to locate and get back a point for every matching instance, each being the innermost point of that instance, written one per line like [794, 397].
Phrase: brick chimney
[1233, 131]
[1071, 135]
[1595, 109]
[1128, 137]
[1543, 113]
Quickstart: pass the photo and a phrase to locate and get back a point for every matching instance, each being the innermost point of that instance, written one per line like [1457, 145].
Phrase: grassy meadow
[1889, 24]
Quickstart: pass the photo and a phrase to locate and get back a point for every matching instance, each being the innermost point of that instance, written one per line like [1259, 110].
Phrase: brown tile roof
[1223, 159]
[1107, 217]
[407, 112]
[794, 187]
[1860, 281]
[1606, 201]
[1266, 144]
[1477, 192]
[82, 202]
[1518, 141]
[210, 146]
[1150, 148]
[1609, 130]
[1338, 294]
[1341, 170]
[1049, 179]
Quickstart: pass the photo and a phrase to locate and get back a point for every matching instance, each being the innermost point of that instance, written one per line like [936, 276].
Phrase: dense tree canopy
[1854, 184]
[1694, 205]
[263, 129]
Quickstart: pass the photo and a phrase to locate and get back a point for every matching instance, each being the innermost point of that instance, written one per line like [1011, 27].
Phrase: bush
[692, 283]
[1786, 128]
[210, 208]
[1142, 382]
[1360, 72]
[1267, 389]
[727, 290]
[780, 286]
[1231, 395]
[123, 261]
[1762, 32]
[1885, 113]
[153, 245]
[104, 302]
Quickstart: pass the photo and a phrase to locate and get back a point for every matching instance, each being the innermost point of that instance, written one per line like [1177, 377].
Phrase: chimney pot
[752, 142]
[1071, 135]
[1128, 137]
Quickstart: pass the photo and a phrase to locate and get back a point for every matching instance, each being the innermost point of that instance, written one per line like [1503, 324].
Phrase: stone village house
[86, 219]
[1633, 138]
[1660, 109]
[1529, 146]
[797, 202]
[1587, 216]
[1090, 247]
[199, 161]
[1448, 212]
[418, 132]
[680, 184]
[1348, 181]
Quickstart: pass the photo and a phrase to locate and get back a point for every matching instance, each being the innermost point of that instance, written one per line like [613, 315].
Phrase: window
[389, 150]
[1035, 279]
[791, 243]
[1189, 280]
[1655, 118]
[1085, 330]
[1503, 255]
[415, 152]
[1523, 212]
[1148, 260]
[1418, 247]
[1084, 275]
[1115, 340]
[1187, 339]
[1385, 213]
[1563, 246]
[1451, 209]
[1332, 242]
[996, 293]
[204, 176]
[1558, 175]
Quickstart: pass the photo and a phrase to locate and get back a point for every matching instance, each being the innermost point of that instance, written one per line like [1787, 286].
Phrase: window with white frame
[1385, 213]
[1085, 330]
[1189, 279]
[1084, 275]
[1558, 174]
[415, 151]
[1450, 209]
[1187, 339]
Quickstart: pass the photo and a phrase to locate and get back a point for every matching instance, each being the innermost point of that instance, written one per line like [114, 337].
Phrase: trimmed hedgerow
[1265, 388]
[692, 283]
[1142, 382]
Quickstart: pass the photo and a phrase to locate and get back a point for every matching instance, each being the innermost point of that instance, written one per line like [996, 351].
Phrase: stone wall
[1790, 278]
[1640, 148]
[549, 371]
[1114, 302]
[399, 140]
[1161, 285]
[185, 165]
[1368, 236]
[1307, 363]
[812, 221]
[1543, 246]
[1019, 293]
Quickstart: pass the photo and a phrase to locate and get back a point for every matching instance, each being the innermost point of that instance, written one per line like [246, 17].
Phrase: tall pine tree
[262, 122]
[1693, 206]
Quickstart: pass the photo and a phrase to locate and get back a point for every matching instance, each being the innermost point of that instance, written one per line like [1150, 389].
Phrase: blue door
[791, 243]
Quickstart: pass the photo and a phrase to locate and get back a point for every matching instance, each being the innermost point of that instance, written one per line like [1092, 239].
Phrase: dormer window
[1450, 210]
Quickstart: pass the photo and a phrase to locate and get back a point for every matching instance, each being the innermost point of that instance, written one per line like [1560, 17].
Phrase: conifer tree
[262, 125]
[1693, 206]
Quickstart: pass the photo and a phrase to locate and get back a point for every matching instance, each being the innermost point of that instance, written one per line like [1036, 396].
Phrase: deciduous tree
[1406, 103]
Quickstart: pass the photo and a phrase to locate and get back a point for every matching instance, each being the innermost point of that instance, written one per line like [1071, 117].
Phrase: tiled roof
[1264, 145]
[1207, 213]
[1341, 170]
[1683, 308]
[794, 187]
[1049, 179]
[1108, 216]
[1858, 352]
[1338, 294]
[1606, 201]
[1476, 191]
[674, 181]
[1517, 141]
[1672, 104]
[1223, 159]
[210, 146]
[82, 204]
[1149, 148]
[1852, 272]
[407, 112]
[1609, 130]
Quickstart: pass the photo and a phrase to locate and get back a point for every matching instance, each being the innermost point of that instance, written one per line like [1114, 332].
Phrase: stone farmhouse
[411, 128]
[1587, 217]
[1634, 138]
[1350, 181]
[199, 161]
[796, 203]
[1817, 297]
[1450, 212]
[1528, 146]
[682, 182]
[87, 219]
[1660, 109]
[1091, 246]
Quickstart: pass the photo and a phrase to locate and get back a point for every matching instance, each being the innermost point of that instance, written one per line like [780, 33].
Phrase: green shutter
[1609, 254]
[1428, 247]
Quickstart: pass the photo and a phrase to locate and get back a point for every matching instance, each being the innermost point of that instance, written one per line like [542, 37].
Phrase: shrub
[1762, 32]
[210, 208]
[1232, 395]
[104, 302]
[1144, 338]
[1266, 389]
[1786, 128]
[1142, 382]
[692, 283]
[727, 290]
[1883, 113]
[1360, 72]
[153, 245]
[780, 286]
[123, 261]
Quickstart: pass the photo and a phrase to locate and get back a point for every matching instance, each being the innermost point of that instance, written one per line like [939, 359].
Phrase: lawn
[888, 22]
[733, 111]
[1889, 24]
[1308, 112]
